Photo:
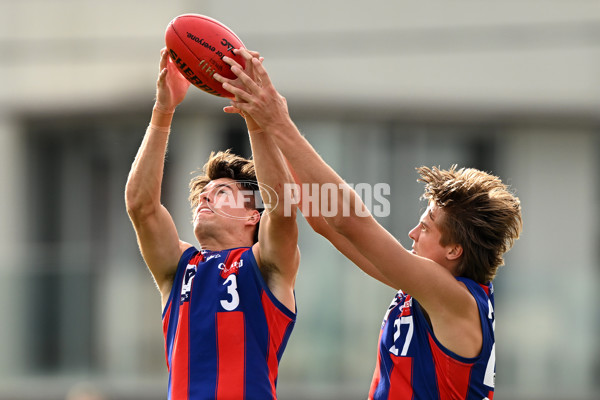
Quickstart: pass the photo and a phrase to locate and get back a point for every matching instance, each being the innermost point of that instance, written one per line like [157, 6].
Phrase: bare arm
[277, 251]
[451, 307]
[277, 248]
[156, 233]
[339, 241]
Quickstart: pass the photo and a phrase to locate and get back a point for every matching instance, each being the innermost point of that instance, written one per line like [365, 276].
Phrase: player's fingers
[233, 82]
[161, 76]
[242, 108]
[249, 67]
[236, 92]
[221, 79]
[163, 59]
[255, 54]
[261, 72]
[247, 57]
[235, 110]
[231, 110]
[248, 82]
[247, 54]
[231, 62]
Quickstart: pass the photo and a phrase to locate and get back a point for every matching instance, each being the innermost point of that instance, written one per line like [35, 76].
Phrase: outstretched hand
[255, 95]
[171, 86]
[247, 55]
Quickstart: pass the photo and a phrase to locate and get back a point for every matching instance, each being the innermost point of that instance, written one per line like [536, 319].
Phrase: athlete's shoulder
[475, 288]
[188, 254]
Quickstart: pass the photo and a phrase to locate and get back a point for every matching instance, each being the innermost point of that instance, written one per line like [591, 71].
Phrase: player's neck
[218, 244]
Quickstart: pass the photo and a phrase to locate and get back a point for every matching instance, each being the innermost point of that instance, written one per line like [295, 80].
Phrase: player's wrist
[251, 124]
[159, 128]
[161, 117]
[159, 108]
[283, 129]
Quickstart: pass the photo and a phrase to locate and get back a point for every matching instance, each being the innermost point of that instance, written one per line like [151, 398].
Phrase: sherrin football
[197, 45]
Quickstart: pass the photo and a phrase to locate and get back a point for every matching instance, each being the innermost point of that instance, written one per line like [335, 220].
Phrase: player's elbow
[132, 200]
[339, 223]
[283, 212]
[318, 225]
[138, 206]
[348, 215]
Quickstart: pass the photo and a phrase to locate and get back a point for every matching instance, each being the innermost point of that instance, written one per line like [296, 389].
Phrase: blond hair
[480, 214]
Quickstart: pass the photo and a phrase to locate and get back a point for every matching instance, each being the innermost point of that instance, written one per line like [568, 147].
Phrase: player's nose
[204, 198]
[414, 233]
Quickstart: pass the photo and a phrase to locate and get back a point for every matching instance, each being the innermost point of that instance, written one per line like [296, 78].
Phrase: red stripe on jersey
[278, 324]
[406, 310]
[231, 265]
[485, 288]
[180, 362]
[231, 353]
[376, 373]
[401, 380]
[452, 376]
[196, 259]
[165, 323]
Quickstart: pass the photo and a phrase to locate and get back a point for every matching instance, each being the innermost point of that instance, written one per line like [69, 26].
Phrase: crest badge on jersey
[188, 278]
[229, 268]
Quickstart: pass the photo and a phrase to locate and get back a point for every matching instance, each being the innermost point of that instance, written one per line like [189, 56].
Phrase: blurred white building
[379, 88]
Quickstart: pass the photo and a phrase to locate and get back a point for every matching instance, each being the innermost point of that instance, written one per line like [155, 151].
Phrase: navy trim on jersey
[184, 259]
[289, 313]
[477, 293]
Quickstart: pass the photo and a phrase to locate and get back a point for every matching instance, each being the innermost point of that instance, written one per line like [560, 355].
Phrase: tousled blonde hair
[480, 213]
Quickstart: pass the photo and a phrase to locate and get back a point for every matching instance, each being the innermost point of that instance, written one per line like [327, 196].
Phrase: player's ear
[253, 217]
[454, 252]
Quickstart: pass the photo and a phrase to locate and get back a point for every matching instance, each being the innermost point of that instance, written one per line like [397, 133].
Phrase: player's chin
[199, 220]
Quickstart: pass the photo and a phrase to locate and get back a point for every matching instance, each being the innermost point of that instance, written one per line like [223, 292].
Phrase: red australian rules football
[197, 45]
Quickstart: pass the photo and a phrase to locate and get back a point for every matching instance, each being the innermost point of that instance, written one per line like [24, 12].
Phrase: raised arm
[156, 233]
[317, 222]
[277, 250]
[339, 241]
[448, 302]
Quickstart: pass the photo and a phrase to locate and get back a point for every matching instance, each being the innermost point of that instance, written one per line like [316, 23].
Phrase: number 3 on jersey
[233, 300]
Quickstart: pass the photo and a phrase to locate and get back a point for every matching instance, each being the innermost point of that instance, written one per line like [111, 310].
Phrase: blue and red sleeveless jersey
[412, 364]
[225, 332]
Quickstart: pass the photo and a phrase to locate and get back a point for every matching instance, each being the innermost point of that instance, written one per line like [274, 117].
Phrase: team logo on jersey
[210, 257]
[398, 299]
[186, 287]
[407, 306]
[230, 268]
